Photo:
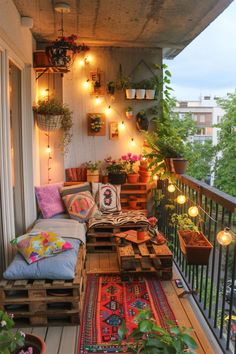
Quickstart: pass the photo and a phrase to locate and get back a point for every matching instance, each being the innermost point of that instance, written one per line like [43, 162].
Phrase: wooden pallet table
[138, 190]
[41, 302]
[145, 257]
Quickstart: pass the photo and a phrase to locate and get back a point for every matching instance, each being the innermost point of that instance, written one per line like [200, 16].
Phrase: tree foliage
[225, 167]
[200, 158]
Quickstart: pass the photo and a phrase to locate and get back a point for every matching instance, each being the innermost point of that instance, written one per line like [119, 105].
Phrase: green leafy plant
[53, 107]
[114, 166]
[93, 166]
[9, 340]
[149, 338]
[183, 222]
[151, 84]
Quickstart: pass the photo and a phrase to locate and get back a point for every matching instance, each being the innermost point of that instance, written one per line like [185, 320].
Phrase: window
[202, 118]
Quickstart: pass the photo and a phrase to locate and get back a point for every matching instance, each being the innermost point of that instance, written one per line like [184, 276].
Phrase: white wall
[83, 147]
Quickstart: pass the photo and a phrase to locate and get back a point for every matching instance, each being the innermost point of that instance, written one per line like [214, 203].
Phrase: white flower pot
[140, 94]
[130, 94]
[150, 94]
[129, 114]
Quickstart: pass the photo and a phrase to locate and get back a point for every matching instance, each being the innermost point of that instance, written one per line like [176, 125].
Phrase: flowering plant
[152, 221]
[93, 166]
[129, 161]
[114, 166]
[9, 340]
[96, 122]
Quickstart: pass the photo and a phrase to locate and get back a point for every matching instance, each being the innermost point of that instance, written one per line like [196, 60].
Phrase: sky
[207, 66]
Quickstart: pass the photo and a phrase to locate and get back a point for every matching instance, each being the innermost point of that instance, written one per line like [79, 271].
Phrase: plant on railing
[150, 338]
[183, 222]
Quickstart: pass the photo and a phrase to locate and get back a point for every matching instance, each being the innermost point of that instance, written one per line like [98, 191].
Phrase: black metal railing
[214, 284]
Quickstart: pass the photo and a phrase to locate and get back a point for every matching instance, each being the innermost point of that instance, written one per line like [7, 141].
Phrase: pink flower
[129, 154]
[152, 221]
[124, 157]
[135, 157]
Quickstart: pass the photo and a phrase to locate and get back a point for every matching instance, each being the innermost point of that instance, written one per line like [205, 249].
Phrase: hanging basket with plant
[52, 115]
[193, 244]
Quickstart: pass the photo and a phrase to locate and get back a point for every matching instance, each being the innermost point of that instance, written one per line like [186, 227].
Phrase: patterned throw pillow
[36, 246]
[107, 197]
[75, 188]
[49, 199]
[81, 206]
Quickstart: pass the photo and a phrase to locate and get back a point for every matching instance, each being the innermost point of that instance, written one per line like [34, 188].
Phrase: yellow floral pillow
[36, 246]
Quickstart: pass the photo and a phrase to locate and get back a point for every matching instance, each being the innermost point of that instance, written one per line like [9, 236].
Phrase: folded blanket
[63, 227]
[118, 219]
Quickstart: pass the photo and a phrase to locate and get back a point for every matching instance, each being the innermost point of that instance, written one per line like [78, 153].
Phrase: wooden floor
[63, 340]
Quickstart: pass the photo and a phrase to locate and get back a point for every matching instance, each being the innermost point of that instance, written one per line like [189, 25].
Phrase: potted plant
[142, 120]
[129, 112]
[52, 115]
[194, 245]
[17, 342]
[148, 337]
[129, 161]
[116, 171]
[130, 90]
[111, 87]
[140, 90]
[150, 89]
[132, 201]
[92, 171]
[96, 123]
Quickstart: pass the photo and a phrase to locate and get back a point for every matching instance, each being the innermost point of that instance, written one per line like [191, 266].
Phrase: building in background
[206, 113]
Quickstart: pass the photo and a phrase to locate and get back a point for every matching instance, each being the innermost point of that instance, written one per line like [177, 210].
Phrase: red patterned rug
[109, 300]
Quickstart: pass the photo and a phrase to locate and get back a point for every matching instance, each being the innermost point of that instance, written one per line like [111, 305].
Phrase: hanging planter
[195, 247]
[176, 165]
[48, 122]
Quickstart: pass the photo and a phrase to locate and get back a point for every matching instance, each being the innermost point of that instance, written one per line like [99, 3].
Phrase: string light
[48, 149]
[44, 93]
[193, 211]
[108, 110]
[86, 84]
[122, 125]
[132, 142]
[224, 237]
[98, 100]
[155, 178]
[171, 188]
[144, 158]
[181, 199]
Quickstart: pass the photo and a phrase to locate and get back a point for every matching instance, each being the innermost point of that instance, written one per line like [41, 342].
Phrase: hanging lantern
[193, 211]
[62, 51]
[181, 199]
[224, 237]
[171, 188]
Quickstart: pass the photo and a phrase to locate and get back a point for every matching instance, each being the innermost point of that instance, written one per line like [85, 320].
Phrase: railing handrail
[224, 199]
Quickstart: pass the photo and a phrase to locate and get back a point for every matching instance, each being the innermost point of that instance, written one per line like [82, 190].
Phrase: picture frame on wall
[96, 124]
[113, 130]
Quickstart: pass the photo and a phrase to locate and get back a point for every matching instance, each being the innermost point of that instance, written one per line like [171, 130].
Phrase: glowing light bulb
[122, 125]
[44, 93]
[98, 100]
[144, 158]
[132, 142]
[88, 59]
[181, 199]
[82, 62]
[108, 110]
[86, 84]
[155, 178]
[171, 188]
[48, 149]
[193, 211]
[224, 237]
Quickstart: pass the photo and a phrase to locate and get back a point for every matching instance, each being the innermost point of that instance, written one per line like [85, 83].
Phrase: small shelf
[50, 69]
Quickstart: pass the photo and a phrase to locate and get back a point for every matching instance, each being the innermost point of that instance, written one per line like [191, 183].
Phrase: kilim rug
[109, 300]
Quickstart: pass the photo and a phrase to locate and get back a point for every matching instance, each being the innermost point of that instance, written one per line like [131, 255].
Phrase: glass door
[16, 146]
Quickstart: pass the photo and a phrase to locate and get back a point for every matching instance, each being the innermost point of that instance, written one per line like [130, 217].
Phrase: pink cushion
[49, 199]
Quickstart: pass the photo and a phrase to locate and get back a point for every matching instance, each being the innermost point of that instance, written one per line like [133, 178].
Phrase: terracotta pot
[143, 163]
[132, 177]
[141, 234]
[143, 168]
[115, 178]
[176, 165]
[92, 176]
[144, 179]
[104, 179]
[129, 114]
[145, 173]
[40, 59]
[133, 202]
[34, 341]
[196, 252]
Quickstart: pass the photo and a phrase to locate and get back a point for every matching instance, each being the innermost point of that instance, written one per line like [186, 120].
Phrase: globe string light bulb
[48, 149]
[108, 110]
[132, 142]
[98, 100]
[122, 125]
[86, 84]
[171, 188]
[224, 237]
[181, 199]
[193, 211]
[155, 178]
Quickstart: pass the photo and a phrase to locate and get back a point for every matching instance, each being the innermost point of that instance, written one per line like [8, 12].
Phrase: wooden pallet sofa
[39, 294]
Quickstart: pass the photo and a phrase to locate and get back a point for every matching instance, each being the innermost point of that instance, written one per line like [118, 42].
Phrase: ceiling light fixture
[62, 51]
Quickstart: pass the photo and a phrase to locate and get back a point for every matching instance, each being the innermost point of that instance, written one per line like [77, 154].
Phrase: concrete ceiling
[167, 24]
